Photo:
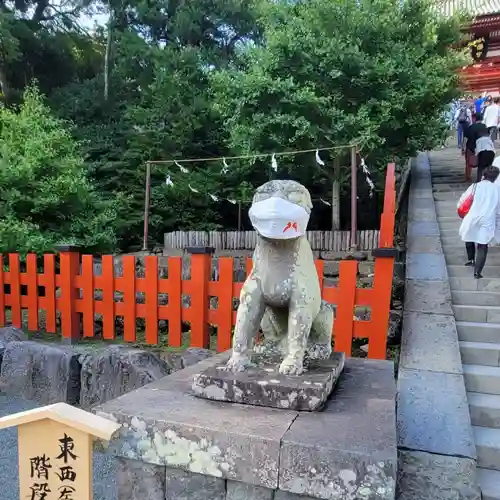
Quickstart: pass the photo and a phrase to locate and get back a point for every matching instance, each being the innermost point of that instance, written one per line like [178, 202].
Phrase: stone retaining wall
[436, 451]
[81, 375]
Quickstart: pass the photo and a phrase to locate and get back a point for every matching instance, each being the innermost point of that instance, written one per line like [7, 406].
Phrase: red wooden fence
[77, 283]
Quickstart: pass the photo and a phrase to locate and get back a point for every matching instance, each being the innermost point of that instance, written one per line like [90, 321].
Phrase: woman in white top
[481, 225]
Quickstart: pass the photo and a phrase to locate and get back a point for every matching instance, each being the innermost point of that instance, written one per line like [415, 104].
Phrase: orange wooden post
[69, 259]
[343, 326]
[32, 298]
[129, 314]
[2, 294]
[384, 270]
[15, 289]
[88, 295]
[49, 276]
[174, 301]
[201, 266]
[225, 305]
[151, 279]
[108, 297]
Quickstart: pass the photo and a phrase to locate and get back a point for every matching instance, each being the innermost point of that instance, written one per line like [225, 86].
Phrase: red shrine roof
[473, 7]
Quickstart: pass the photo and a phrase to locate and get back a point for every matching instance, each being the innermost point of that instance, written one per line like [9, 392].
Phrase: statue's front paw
[238, 363]
[291, 366]
[320, 351]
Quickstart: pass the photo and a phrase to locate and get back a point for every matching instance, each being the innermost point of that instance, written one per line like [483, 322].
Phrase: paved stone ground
[104, 473]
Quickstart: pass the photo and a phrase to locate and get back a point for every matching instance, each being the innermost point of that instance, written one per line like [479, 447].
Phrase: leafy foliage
[213, 78]
[46, 196]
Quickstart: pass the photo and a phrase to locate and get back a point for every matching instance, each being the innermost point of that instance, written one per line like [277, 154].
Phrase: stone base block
[346, 451]
[140, 481]
[263, 385]
[437, 477]
[41, 372]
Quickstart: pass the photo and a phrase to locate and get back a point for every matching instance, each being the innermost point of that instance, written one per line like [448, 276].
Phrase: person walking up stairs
[476, 306]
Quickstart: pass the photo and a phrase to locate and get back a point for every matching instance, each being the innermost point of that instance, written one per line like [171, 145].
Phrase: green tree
[333, 72]
[46, 196]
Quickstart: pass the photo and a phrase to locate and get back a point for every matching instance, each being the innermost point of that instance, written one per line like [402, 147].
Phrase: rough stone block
[430, 342]
[193, 355]
[433, 414]
[164, 424]
[424, 244]
[117, 370]
[242, 491]
[286, 495]
[140, 481]
[41, 372]
[10, 334]
[423, 228]
[357, 456]
[263, 385]
[428, 476]
[182, 485]
[428, 296]
[426, 266]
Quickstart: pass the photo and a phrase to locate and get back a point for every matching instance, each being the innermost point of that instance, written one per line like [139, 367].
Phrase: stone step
[476, 314]
[471, 298]
[461, 271]
[470, 331]
[489, 482]
[449, 226]
[487, 447]
[470, 283]
[458, 248]
[483, 379]
[492, 260]
[480, 353]
[484, 409]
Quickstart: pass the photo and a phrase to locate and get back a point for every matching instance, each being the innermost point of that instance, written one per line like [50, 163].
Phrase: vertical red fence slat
[383, 273]
[69, 261]
[343, 325]
[2, 293]
[225, 304]
[32, 298]
[174, 301]
[129, 299]
[49, 271]
[151, 279]
[88, 298]
[108, 297]
[200, 277]
[15, 289]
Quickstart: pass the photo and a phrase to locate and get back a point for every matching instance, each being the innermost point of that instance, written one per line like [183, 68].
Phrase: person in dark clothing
[473, 133]
[485, 153]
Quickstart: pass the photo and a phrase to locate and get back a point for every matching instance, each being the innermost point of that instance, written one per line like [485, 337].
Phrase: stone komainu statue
[282, 293]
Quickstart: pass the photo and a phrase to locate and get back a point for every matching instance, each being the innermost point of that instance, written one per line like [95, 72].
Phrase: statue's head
[280, 210]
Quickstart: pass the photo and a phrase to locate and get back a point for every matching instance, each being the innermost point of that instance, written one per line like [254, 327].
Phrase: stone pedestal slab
[346, 451]
[263, 385]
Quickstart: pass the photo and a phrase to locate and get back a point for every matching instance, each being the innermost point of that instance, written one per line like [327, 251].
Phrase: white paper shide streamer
[325, 202]
[194, 190]
[319, 161]
[183, 169]
[368, 177]
[168, 181]
[274, 163]
[225, 168]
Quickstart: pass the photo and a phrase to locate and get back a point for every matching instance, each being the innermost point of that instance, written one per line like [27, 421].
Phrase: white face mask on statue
[278, 219]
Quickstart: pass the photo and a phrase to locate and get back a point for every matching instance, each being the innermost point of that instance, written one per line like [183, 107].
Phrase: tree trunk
[107, 56]
[4, 86]
[336, 194]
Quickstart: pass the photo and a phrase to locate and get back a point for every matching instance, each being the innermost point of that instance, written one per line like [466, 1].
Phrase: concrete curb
[436, 450]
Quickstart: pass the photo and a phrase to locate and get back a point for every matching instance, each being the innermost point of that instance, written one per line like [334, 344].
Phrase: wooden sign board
[55, 451]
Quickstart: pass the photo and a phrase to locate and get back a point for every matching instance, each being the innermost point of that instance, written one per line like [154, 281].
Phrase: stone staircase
[476, 305]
